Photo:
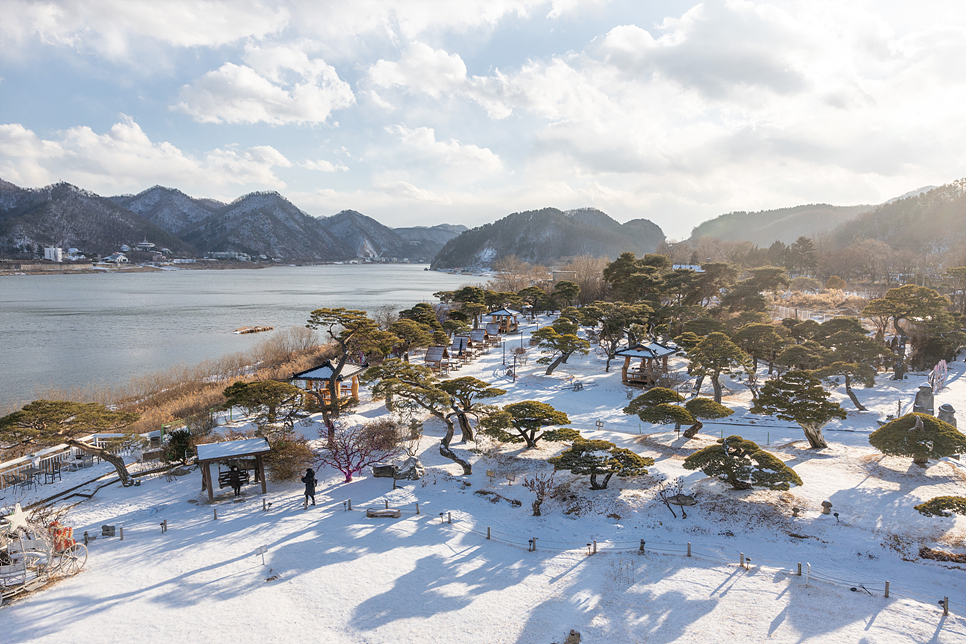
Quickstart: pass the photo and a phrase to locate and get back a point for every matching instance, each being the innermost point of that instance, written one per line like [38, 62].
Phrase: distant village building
[116, 258]
[241, 257]
[145, 246]
[564, 276]
[53, 254]
[125, 248]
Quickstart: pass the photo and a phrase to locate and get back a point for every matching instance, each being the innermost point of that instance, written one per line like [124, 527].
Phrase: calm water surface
[72, 330]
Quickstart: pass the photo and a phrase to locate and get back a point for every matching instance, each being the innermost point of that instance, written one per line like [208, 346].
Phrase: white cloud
[421, 143]
[406, 190]
[280, 85]
[116, 29]
[113, 28]
[124, 158]
[325, 166]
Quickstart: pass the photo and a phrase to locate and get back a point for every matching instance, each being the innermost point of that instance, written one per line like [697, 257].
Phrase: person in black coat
[309, 480]
[234, 479]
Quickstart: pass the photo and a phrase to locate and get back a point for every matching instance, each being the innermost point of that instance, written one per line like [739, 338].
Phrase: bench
[223, 478]
[14, 574]
[373, 513]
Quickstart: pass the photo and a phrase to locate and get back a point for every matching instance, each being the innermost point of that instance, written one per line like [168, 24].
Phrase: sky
[419, 112]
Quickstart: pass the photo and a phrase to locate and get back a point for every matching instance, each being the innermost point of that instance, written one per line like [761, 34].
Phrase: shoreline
[39, 268]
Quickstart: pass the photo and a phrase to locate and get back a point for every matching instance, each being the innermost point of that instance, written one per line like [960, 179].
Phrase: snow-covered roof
[493, 328]
[649, 350]
[479, 335]
[460, 343]
[436, 354]
[504, 312]
[324, 372]
[232, 449]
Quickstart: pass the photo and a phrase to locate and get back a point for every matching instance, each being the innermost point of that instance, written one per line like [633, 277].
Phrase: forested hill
[764, 227]
[934, 220]
[544, 236]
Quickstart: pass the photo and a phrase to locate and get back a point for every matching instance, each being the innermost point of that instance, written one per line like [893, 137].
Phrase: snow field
[346, 578]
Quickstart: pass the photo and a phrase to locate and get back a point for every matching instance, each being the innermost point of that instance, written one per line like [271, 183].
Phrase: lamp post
[504, 352]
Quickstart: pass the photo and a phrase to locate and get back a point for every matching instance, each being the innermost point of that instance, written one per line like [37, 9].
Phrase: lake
[71, 330]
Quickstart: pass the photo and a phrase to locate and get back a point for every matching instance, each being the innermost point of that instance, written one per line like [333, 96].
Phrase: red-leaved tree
[351, 449]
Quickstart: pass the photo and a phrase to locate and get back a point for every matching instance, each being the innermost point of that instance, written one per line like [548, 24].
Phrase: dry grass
[826, 301]
[171, 395]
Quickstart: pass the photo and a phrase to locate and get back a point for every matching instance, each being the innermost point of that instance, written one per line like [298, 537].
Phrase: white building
[116, 258]
[53, 254]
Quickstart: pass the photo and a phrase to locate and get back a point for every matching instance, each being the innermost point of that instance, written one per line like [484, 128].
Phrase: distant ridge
[70, 217]
[544, 236]
[764, 227]
[256, 224]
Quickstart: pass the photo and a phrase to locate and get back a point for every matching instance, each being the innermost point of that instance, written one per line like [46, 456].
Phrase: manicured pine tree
[799, 397]
[920, 436]
[520, 422]
[600, 458]
[742, 464]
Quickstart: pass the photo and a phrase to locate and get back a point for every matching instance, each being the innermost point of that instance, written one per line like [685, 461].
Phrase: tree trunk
[536, 507]
[693, 430]
[717, 388]
[594, 485]
[326, 418]
[848, 390]
[814, 436]
[554, 365]
[610, 356]
[465, 427]
[446, 452]
[104, 455]
[565, 356]
[697, 385]
[899, 367]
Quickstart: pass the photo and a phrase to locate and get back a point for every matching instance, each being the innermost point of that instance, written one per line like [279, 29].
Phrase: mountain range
[266, 223]
[260, 223]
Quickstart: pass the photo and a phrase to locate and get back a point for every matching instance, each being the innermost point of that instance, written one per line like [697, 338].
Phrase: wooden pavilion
[436, 357]
[480, 337]
[238, 453]
[653, 365]
[507, 319]
[317, 379]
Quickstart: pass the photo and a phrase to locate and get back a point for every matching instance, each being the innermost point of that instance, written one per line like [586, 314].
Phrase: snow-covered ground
[331, 575]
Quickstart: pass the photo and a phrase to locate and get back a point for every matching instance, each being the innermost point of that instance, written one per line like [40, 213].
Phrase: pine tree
[525, 419]
[943, 506]
[920, 436]
[743, 465]
[600, 458]
[799, 397]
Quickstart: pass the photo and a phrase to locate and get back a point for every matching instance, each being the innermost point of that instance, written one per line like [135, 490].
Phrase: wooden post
[216, 514]
[264, 506]
[207, 478]
[689, 548]
[887, 583]
[449, 517]
[350, 505]
[487, 533]
[741, 562]
[387, 504]
[260, 465]
[122, 533]
[945, 605]
[417, 508]
[595, 546]
[642, 545]
[800, 574]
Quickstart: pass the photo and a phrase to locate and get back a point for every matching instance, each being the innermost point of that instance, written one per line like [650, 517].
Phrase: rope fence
[461, 522]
